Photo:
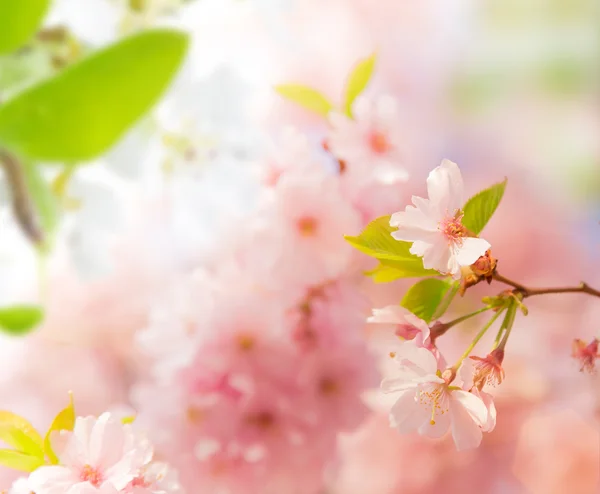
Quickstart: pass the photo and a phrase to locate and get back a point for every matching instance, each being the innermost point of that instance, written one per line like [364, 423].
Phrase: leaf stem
[477, 338]
[440, 328]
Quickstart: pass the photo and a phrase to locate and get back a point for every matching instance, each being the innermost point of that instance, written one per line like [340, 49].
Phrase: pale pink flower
[20, 486]
[100, 455]
[369, 144]
[430, 404]
[435, 226]
[155, 478]
[407, 325]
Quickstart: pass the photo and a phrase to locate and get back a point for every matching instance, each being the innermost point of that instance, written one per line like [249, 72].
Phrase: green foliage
[358, 80]
[19, 21]
[20, 319]
[85, 109]
[425, 296]
[65, 420]
[21, 435]
[306, 97]
[480, 208]
[395, 258]
[446, 300]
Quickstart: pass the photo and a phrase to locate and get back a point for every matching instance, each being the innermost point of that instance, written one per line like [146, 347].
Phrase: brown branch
[530, 292]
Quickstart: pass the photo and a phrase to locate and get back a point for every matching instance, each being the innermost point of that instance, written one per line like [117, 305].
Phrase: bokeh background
[505, 88]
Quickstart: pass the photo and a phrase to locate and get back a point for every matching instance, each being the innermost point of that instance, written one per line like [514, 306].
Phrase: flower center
[378, 142]
[436, 397]
[328, 386]
[91, 475]
[453, 229]
[246, 342]
[307, 226]
[262, 420]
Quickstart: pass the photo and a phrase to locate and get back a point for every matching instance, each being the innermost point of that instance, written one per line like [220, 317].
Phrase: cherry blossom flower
[99, 455]
[370, 144]
[155, 478]
[586, 354]
[489, 370]
[408, 326]
[435, 225]
[429, 403]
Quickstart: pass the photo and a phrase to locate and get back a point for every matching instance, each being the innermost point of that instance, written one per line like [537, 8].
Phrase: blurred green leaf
[389, 270]
[19, 461]
[82, 111]
[306, 97]
[64, 421]
[358, 80]
[425, 296]
[480, 208]
[18, 432]
[19, 21]
[20, 319]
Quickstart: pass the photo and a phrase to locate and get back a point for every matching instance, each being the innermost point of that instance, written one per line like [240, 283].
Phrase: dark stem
[530, 292]
[23, 207]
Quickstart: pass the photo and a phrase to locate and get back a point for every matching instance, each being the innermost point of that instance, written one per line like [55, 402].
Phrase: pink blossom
[408, 326]
[435, 226]
[155, 478]
[430, 404]
[100, 455]
[370, 144]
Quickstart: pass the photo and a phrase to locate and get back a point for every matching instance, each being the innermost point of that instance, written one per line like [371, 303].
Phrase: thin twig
[530, 292]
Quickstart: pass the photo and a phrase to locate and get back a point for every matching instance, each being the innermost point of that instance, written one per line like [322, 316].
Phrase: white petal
[445, 187]
[52, 479]
[439, 429]
[472, 404]
[488, 400]
[466, 432]
[471, 250]
[415, 219]
[406, 415]
[421, 360]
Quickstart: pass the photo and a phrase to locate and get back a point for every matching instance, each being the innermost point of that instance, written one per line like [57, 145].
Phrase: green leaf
[446, 301]
[18, 432]
[424, 297]
[395, 257]
[64, 421]
[19, 461]
[20, 319]
[306, 97]
[42, 196]
[85, 109]
[480, 208]
[389, 270]
[19, 21]
[358, 80]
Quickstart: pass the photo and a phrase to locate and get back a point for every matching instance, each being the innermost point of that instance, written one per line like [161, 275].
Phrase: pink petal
[52, 479]
[471, 250]
[465, 431]
[472, 404]
[445, 188]
[406, 415]
[106, 442]
[406, 380]
[422, 361]
[439, 429]
[488, 400]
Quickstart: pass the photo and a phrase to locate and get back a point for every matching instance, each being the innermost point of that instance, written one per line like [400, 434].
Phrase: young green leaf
[357, 81]
[18, 432]
[19, 461]
[480, 208]
[82, 111]
[424, 297]
[389, 270]
[396, 260]
[446, 301]
[306, 97]
[65, 420]
[19, 20]
[20, 319]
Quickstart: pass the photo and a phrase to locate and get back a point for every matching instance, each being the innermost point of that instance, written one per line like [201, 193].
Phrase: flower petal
[436, 430]
[406, 415]
[471, 250]
[52, 479]
[445, 188]
[472, 404]
[466, 432]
